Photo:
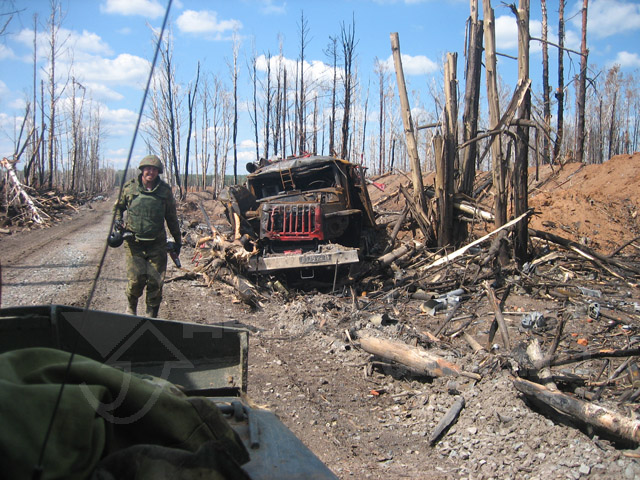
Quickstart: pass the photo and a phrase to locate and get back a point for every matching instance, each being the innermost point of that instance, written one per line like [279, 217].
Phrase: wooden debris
[463, 250]
[473, 343]
[35, 213]
[448, 419]
[539, 362]
[499, 319]
[603, 353]
[599, 417]
[588, 253]
[415, 359]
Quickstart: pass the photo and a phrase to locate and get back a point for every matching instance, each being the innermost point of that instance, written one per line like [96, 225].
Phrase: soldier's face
[149, 175]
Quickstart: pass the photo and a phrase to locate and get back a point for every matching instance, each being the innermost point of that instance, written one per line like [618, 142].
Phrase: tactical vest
[146, 214]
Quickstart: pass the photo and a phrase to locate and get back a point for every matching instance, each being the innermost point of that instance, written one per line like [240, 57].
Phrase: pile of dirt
[595, 205]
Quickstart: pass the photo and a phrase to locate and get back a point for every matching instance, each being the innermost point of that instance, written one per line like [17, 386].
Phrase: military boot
[152, 311]
[132, 305]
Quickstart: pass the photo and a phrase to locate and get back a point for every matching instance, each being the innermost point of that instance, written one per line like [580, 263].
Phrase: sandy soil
[368, 422]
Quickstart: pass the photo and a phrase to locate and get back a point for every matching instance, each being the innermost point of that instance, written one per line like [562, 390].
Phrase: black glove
[118, 225]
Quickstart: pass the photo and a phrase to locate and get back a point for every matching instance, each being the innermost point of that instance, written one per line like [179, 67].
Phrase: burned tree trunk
[546, 103]
[560, 90]
[499, 166]
[520, 173]
[444, 169]
[471, 102]
[412, 147]
[582, 87]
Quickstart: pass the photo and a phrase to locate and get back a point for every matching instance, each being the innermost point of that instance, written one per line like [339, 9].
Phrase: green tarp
[110, 424]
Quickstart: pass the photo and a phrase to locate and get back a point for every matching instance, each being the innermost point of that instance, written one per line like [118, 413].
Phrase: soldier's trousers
[146, 267]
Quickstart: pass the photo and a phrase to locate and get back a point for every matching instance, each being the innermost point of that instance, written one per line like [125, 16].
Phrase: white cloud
[118, 122]
[74, 46]
[6, 52]
[145, 8]
[102, 93]
[608, 17]
[205, 21]
[247, 156]
[316, 71]
[506, 32]
[18, 104]
[247, 145]
[125, 69]
[627, 60]
[269, 7]
[4, 90]
[418, 65]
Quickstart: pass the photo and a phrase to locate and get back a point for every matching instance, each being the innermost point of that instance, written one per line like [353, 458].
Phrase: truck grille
[294, 222]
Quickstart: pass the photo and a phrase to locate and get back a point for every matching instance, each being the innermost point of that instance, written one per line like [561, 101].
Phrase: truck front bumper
[325, 256]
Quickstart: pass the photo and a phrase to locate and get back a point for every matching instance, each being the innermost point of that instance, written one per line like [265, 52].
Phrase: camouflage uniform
[147, 211]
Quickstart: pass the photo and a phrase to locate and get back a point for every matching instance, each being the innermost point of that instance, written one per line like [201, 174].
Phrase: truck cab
[302, 212]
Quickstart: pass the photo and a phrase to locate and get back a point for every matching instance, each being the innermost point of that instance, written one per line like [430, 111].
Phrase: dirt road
[361, 423]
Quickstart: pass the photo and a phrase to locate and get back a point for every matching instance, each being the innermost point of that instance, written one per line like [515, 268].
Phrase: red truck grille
[294, 222]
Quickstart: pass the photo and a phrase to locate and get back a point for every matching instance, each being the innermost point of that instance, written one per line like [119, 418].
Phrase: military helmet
[151, 161]
[115, 239]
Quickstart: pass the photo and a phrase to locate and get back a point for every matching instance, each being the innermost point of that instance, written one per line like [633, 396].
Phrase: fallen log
[446, 421]
[392, 256]
[415, 359]
[599, 417]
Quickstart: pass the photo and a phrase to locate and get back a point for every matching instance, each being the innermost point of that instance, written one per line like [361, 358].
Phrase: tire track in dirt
[58, 264]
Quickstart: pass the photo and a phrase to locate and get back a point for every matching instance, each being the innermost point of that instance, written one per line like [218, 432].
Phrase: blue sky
[110, 46]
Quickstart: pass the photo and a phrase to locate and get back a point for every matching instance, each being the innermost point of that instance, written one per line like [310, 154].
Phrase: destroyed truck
[302, 214]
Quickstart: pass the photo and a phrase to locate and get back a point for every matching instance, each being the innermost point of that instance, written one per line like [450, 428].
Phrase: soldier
[149, 203]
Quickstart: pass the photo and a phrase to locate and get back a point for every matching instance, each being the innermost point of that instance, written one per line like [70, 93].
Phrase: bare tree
[303, 31]
[380, 70]
[268, 98]
[55, 47]
[520, 170]
[206, 107]
[471, 100]
[560, 90]
[582, 87]
[76, 128]
[191, 100]
[499, 163]
[170, 108]
[284, 109]
[348, 44]
[253, 114]
[234, 78]
[332, 52]
[546, 103]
